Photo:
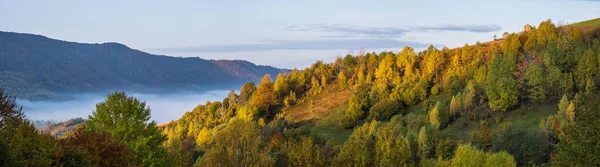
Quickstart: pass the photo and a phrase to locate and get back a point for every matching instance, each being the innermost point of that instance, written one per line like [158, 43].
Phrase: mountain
[37, 67]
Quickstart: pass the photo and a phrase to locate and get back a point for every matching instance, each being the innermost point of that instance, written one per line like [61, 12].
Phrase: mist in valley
[164, 107]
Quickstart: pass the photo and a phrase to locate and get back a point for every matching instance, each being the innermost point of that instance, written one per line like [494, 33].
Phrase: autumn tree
[391, 148]
[84, 148]
[264, 97]
[238, 144]
[246, 92]
[305, 153]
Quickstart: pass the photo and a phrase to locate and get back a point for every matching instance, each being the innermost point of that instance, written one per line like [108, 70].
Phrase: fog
[164, 107]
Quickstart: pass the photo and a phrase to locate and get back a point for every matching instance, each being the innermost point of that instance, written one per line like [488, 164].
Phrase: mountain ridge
[37, 67]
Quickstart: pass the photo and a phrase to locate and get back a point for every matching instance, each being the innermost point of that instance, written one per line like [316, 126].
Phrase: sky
[283, 33]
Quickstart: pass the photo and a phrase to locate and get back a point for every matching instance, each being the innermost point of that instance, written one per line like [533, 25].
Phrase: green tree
[359, 149]
[427, 140]
[579, 145]
[502, 88]
[359, 102]
[536, 83]
[20, 143]
[468, 156]
[126, 119]
[587, 68]
[385, 109]
[391, 149]
[501, 159]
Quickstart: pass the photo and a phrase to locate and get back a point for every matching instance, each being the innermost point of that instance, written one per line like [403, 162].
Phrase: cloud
[316, 44]
[345, 31]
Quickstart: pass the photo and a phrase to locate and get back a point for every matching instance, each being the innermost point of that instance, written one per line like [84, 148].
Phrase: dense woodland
[35, 67]
[437, 107]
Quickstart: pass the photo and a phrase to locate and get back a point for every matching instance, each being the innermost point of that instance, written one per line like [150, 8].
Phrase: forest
[529, 99]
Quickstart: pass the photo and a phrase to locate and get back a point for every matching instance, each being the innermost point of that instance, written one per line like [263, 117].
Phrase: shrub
[385, 109]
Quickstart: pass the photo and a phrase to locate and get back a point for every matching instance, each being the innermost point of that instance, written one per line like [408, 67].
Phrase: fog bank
[164, 107]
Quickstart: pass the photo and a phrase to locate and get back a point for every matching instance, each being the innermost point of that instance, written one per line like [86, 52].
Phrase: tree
[536, 83]
[184, 152]
[305, 153]
[391, 149]
[385, 109]
[385, 73]
[359, 102]
[238, 144]
[512, 45]
[264, 97]
[342, 79]
[501, 159]
[579, 144]
[20, 143]
[502, 89]
[439, 116]
[468, 156]
[85, 148]
[359, 148]
[126, 119]
[246, 92]
[546, 33]
[427, 140]
[587, 67]
[280, 86]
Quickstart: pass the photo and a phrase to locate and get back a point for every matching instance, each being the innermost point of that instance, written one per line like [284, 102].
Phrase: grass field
[320, 114]
[592, 22]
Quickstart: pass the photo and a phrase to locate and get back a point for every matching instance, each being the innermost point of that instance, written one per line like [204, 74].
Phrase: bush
[347, 122]
[385, 109]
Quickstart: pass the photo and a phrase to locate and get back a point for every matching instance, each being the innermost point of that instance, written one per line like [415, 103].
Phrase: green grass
[328, 126]
[526, 117]
[592, 22]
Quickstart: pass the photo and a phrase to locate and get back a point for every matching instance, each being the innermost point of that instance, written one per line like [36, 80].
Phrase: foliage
[126, 119]
[237, 144]
[385, 109]
[579, 144]
[305, 153]
[502, 89]
[85, 148]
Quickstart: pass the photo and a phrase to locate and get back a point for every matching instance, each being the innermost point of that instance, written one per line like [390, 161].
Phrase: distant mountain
[37, 67]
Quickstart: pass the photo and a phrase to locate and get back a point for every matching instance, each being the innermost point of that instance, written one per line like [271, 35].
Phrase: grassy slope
[320, 114]
[321, 118]
[592, 22]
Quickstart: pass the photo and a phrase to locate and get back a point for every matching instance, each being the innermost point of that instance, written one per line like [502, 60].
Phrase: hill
[591, 22]
[530, 99]
[37, 67]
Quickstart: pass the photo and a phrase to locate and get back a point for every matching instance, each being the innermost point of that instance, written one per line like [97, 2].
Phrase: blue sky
[283, 33]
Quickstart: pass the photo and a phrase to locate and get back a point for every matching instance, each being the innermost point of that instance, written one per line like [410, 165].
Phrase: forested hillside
[530, 99]
[36, 67]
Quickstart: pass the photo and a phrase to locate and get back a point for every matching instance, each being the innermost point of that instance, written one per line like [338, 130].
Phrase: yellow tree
[264, 96]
